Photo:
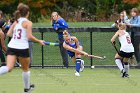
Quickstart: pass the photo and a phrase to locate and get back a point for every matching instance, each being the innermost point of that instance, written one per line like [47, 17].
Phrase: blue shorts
[71, 54]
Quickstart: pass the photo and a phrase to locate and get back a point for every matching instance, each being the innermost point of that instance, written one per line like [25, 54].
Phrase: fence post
[42, 49]
[31, 52]
[91, 60]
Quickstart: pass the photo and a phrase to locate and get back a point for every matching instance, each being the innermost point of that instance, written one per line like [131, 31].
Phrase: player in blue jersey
[59, 25]
[74, 50]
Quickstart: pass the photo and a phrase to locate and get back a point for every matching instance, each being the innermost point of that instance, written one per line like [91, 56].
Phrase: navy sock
[78, 64]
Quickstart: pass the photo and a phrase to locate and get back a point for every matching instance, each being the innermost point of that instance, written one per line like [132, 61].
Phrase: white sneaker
[77, 74]
[82, 66]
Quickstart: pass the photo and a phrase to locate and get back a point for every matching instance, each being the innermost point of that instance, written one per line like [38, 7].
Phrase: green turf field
[63, 81]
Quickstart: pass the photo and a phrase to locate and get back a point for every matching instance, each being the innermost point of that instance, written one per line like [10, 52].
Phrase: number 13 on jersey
[17, 34]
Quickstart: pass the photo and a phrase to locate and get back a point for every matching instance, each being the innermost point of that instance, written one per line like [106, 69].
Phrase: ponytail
[16, 14]
[66, 33]
[22, 11]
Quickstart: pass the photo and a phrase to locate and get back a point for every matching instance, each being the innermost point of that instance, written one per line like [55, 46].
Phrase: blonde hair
[54, 13]
[122, 26]
[65, 33]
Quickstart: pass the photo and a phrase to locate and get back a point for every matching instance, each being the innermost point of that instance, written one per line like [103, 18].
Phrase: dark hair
[135, 10]
[22, 11]
[1, 13]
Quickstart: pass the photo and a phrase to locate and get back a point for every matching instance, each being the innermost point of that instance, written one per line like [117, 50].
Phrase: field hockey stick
[98, 57]
[51, 43]
[115, 47]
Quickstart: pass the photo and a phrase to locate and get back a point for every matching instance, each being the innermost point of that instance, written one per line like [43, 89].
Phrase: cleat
[30, 89]
[123, 74]
[77, 74]
[126, 75]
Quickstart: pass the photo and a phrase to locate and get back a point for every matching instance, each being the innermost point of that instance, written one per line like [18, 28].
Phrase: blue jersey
[73, 45]
[61, 25]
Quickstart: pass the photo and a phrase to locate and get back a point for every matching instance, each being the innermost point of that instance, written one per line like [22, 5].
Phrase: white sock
[126, 68]
[119, 64]
[4, 70]
[26, 79]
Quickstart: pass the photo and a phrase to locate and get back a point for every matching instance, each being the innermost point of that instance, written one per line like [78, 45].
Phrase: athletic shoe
[82, 66]
[32, 86]
[126, 75]
[77, 74]
[123, 74]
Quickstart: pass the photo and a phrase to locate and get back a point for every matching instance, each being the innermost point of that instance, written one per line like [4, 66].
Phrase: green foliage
[73, 10]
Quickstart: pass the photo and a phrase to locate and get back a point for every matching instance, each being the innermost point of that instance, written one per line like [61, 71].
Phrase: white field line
[107, 75]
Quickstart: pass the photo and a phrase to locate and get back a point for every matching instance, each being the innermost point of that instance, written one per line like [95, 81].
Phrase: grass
[63, 81]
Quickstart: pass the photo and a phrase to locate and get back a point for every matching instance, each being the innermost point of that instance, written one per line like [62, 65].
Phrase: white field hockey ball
[92, 66]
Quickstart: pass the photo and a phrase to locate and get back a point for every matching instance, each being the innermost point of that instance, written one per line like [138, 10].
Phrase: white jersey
[19, 39]
[126, 44]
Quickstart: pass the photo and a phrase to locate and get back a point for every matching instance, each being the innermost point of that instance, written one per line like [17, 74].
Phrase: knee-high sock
[126, 67]
[3, 70]
[119, 64]
[26, 79]
[78, 64]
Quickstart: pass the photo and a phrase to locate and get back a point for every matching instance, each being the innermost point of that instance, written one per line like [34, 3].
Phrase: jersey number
[18, 35]
[128, 40]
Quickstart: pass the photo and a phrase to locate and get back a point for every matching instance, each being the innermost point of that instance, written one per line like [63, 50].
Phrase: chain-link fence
[94, 41]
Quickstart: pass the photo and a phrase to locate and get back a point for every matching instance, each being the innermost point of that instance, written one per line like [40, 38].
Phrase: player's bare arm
[10, 31]
[114, 37]
[2, 36]
[28, 26]
[76, 40]
[74, 50]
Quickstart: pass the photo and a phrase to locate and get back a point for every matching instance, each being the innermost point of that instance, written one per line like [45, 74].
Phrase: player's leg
[63, 53]
[118, 61]
[126, 66]
[73, 59]
[11, 59]
[78, 66]
[25, 62]
[132, 61]
[82, 61]
[79, 63]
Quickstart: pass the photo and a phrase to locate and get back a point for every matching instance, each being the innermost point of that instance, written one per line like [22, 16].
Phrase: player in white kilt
[126, 49]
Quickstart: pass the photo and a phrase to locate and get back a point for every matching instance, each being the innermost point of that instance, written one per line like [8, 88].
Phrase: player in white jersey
[126, 50]
[21, 32]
